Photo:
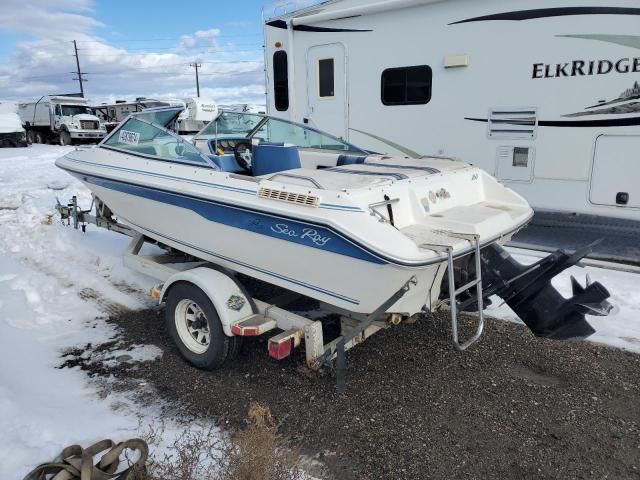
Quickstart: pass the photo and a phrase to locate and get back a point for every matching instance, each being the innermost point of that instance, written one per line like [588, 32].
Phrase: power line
[117, 72]
[125, 40]
[190, 52]
[178, 47]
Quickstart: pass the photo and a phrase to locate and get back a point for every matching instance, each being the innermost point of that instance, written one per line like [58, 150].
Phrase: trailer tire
[65, 138]
[204, 345]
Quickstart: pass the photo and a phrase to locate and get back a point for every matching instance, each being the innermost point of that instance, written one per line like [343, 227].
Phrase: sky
[133, 48]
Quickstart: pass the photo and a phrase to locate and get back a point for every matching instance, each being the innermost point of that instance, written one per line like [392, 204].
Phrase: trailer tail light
[280, 350]
[281, 346]
[254, 326]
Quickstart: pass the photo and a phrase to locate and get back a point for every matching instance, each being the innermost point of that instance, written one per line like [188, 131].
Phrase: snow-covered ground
[46, 270]
[54, 282]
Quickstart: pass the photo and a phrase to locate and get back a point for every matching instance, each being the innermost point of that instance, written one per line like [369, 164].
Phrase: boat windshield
[232, 123]
[271, 130]
[140, 137]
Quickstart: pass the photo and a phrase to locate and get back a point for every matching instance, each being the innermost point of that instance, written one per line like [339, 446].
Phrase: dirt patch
[513, 406]
[106, 306]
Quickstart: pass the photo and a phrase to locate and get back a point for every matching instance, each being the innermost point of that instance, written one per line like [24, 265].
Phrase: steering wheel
[242, 154]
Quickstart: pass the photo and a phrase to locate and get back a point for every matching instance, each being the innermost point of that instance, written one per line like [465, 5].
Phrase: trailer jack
[527, 289]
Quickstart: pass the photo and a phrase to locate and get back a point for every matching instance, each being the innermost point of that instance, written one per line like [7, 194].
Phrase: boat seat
[267, 159]
[226, 163]
[350, 160]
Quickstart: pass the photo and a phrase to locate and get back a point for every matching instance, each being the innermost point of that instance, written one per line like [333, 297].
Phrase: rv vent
[517, 123]
[291, 197]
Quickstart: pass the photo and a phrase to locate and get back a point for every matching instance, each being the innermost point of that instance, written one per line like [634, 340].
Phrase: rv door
[327, 89]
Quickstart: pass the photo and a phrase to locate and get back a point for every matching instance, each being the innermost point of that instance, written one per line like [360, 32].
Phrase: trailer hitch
[71, 213]
[527, 289]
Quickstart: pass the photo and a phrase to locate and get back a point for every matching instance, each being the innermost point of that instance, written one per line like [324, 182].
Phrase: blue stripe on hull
[287, 229]
[251, 267]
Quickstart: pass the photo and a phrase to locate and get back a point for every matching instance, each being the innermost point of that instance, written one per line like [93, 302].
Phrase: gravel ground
[513, 406]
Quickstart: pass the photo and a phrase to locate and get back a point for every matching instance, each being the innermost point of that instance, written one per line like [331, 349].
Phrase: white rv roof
[332, 9]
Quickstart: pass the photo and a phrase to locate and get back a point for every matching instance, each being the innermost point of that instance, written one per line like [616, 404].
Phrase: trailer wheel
[194, 326]
[235, 344]
[65, 138]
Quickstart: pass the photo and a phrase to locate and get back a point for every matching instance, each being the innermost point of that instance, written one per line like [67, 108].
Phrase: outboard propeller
[527, 289]
[599, 309]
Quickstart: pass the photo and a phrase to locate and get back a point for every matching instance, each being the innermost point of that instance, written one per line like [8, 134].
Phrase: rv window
[326, 87]
[281, 81]
[406, 86]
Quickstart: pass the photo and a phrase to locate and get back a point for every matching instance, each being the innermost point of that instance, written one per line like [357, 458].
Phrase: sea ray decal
[552, 12]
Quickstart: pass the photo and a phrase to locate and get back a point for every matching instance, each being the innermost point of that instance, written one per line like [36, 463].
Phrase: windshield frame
[208, 162]
[266, 118]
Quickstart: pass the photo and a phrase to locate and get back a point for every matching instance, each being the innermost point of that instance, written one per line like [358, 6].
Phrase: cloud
[37, 16]
[42, 65]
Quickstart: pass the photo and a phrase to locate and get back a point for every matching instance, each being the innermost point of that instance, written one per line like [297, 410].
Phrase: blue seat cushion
[349, 160]
[227, 163]
[269, 159]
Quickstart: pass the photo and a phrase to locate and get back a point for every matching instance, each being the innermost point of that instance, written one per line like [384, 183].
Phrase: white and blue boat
[309, 212]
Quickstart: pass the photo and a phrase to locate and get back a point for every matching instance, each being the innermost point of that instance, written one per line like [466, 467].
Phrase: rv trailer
[545, 96]
[198, 112]
[113, 113]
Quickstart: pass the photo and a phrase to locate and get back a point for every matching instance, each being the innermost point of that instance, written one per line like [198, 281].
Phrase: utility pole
[197, 66]
[79, 72]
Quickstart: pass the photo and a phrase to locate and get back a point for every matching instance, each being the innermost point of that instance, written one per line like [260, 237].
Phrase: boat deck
[373, 172]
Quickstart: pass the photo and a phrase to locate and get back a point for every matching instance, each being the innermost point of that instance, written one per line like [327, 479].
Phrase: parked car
[11, 132]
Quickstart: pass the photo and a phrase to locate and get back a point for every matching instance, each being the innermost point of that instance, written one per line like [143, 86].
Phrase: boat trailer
[484, 273]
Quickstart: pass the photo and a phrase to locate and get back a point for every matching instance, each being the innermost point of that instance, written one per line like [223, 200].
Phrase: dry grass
[258, 452]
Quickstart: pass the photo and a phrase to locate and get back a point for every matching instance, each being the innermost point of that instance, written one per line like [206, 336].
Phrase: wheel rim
[192, 326]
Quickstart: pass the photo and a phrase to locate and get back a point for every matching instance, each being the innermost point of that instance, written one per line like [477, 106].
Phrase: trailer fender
[231, 304]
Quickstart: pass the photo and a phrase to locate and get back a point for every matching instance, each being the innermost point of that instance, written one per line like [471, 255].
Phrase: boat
[298, 208]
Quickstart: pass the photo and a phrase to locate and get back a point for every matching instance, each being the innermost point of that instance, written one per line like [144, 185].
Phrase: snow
[9, 120]
[55, 281]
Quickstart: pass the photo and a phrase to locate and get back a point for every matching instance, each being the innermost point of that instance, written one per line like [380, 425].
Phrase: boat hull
[355, 284]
